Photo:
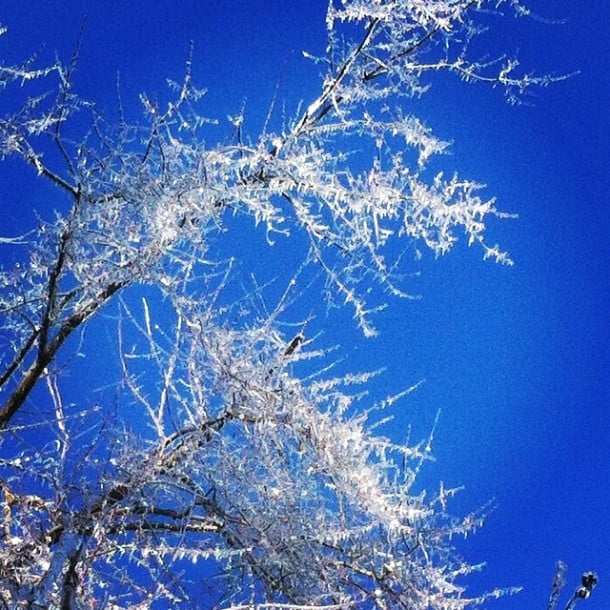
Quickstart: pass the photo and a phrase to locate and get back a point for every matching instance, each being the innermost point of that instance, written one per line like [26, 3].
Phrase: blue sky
[516, 358]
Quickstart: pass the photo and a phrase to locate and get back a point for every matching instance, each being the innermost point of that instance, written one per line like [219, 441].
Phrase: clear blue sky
[516, 358]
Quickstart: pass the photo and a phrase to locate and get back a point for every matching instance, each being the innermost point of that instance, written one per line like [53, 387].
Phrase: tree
[244, 461]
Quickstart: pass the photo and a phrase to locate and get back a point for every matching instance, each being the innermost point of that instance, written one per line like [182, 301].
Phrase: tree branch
[45, 357]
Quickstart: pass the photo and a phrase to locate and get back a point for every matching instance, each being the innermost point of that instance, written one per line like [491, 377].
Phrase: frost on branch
[263, 480]
[242, 460]
[144, 194]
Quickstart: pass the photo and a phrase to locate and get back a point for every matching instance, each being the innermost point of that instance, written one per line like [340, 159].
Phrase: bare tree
[243, 462]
